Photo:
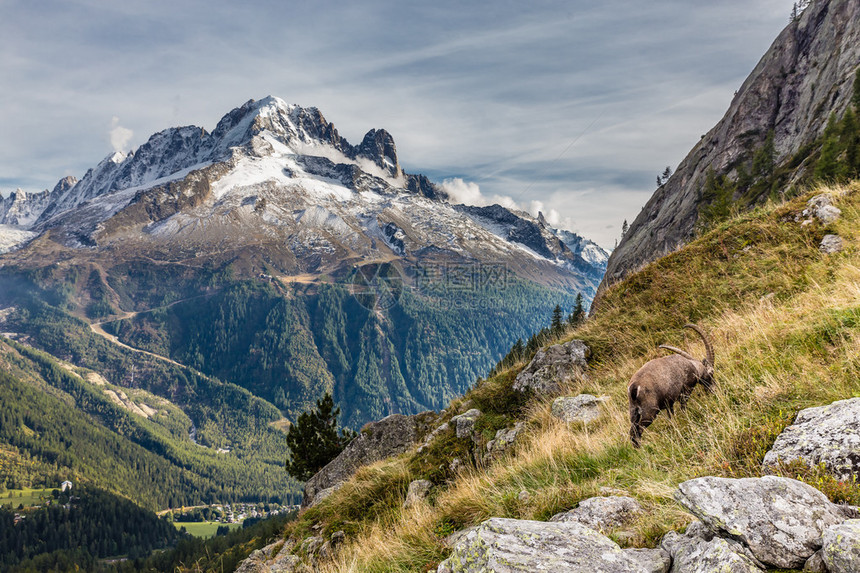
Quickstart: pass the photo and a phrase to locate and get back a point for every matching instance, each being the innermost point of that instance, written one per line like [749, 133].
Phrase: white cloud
[119, 135]
[464, 192]
[502, 94]
[469, 193]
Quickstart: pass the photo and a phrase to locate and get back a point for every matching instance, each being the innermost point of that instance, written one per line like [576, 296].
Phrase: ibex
[663, 381]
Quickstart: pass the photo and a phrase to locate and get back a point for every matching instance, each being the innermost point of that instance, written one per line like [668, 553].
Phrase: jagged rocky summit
[277, 174]
[806, 75]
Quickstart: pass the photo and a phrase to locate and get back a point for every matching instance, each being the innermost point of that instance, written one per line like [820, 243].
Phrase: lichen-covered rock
[553, 366]
[691, 554]
[815, 564]
[455, 537]
[830, 244]
[504, 439]
[653, 560]
[417, 492]
[584, 408]
[841, 549]
[270, 559]
[699, 529]
[465, 422]
[311, 545]
[602, 514]
[826, 434]
[328, 549]
[821, 207]
[433, 435]
[376, 441]
[324, 493]
[781, 520]
[511, 545]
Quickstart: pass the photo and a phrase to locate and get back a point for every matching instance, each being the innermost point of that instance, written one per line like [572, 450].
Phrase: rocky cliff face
[805, 76]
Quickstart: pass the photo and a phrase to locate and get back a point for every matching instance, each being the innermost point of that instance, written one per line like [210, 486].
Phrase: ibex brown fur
[663, 381]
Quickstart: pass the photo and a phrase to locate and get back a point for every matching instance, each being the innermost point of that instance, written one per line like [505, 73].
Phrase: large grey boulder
[841, 550]
[781, 520]
[465, 422]
[511, 545]
[602, 514]
[376, 441]
[831, 244]
[826, 434]
[584, 408]
[553, 366]
[692, 554]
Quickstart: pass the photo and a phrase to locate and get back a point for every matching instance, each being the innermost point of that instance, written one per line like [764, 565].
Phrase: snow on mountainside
[281, 174]
[10, 237]
[588, 250]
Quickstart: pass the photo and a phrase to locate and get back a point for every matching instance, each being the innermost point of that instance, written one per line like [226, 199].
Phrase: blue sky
[569, 107]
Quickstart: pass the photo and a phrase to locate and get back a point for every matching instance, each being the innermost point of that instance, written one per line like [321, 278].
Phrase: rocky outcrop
[273, 558]
[584, 408]
[815, 564]
[602, 514]
[511, 545]
[828, 435]
[553, 366]
[417, 492]
[376, 441]
[830, 244]
[805, 75]
[503, 440]
[465, 422]
[378, 146]
[780, 520]
[691, 554]
[841, 550]
[822, 208]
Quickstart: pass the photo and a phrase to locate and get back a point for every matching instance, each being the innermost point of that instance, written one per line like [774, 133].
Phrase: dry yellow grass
[782, 343]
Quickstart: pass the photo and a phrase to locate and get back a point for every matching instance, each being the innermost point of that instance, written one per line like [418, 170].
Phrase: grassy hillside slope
[785, 320]
[63, 422]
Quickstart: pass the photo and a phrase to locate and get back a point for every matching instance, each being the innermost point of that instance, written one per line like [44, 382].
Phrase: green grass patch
[27, 497]
[204, 529]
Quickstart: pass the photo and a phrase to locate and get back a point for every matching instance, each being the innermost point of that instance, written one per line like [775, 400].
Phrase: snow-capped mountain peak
[277, 172]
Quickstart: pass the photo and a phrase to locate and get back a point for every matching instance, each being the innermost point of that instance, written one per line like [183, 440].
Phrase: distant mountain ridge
[273, 254]
[805, 76]
[283, 171]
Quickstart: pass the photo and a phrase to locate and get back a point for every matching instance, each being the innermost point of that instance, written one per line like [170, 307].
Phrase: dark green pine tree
[856, 97]
[828, 162]
[314, 440]
[519, 349]
[578, 314]
[557, 324]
